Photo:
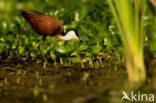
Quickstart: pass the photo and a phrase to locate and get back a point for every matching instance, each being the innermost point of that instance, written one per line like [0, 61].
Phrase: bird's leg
[21, 31]
[18, 40]
[18, 44]
[39, 48]
[41, 41]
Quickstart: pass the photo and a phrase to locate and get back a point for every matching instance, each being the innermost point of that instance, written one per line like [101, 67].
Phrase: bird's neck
[70, 35]
[65, 37]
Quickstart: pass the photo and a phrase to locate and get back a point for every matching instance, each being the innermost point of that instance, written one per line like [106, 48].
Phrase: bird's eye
[62, 33]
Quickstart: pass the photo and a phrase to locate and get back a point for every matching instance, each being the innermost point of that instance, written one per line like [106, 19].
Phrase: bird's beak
[81, 39]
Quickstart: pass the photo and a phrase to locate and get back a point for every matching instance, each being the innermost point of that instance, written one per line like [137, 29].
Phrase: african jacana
[47, 25]
[153, 2]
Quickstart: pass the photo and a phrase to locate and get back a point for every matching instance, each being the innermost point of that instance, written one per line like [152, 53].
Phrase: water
[30, 83]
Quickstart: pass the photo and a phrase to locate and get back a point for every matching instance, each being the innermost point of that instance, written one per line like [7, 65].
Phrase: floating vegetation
[85, 71]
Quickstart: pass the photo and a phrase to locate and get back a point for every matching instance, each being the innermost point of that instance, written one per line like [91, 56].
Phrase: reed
[129, 20]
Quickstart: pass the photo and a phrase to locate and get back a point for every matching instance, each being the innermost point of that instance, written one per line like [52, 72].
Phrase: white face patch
[71, 35]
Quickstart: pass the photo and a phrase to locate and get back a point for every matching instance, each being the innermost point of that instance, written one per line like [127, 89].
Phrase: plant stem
[135, 67]
[129, 19]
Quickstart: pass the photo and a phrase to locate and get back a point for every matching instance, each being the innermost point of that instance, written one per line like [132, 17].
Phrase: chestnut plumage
[153, 2]
[47, 25]
[43, 24]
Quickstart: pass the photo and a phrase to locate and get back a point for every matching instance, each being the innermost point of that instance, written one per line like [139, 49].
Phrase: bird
[153, 2]
[47, 25]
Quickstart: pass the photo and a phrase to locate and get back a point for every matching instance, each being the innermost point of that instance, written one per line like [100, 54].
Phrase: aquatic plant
[129, 19]
[17, 40]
